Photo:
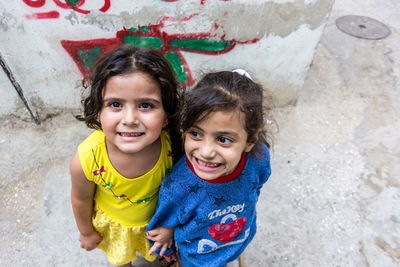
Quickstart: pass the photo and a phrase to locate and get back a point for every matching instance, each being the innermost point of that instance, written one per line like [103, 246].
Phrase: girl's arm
[82, 193]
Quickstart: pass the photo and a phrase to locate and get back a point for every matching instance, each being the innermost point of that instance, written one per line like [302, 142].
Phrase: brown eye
[225, 140]
[195, 134]
[146, 106]
[115, 104]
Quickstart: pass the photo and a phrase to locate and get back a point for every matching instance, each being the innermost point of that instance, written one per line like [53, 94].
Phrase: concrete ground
[334, 194]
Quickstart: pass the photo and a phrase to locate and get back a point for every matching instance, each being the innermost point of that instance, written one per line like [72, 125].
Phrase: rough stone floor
[333, 198]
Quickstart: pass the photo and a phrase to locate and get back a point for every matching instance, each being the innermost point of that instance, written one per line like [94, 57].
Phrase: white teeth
[208, 164]
[131, 134]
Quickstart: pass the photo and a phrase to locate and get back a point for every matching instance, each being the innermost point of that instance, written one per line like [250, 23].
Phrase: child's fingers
[154, 247]
[154, 238]
[152, 235]
[163, 249]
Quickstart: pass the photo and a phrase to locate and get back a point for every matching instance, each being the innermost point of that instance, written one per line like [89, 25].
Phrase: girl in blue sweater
[209, 198]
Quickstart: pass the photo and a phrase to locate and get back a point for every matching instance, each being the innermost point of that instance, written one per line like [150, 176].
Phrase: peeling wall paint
[49, 45]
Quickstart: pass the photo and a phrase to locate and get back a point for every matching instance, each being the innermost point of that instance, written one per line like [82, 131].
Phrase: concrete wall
[49, 45]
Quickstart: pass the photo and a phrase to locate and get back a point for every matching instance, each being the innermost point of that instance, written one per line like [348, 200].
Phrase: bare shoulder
[78, 177]
[75, 166]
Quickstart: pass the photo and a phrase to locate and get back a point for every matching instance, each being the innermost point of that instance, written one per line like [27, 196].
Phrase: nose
[207, 149]
[130, 117]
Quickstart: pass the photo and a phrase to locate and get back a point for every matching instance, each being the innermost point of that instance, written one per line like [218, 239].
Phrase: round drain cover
[362, 27]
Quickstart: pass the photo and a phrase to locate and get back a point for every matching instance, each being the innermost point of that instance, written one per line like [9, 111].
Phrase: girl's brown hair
[227, 91]
[128, 59]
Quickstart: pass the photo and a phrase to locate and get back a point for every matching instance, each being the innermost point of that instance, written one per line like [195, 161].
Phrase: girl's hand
[162, 237]
[156, 246]
[90, 241]
[161, 234]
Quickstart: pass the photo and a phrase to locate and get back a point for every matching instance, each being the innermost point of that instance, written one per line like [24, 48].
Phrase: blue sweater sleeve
[264, 167]
[167, 211]
[165, 216]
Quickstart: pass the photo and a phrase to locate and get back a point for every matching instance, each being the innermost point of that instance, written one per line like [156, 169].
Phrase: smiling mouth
[207, 166]
[128, 134]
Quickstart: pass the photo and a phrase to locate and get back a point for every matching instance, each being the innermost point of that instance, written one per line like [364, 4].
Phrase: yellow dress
[123, 207]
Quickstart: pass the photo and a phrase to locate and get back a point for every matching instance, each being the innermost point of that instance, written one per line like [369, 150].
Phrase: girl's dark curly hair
[127, 59]
[227, 91]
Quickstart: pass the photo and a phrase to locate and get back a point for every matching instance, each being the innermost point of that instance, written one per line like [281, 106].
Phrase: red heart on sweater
[225, 232]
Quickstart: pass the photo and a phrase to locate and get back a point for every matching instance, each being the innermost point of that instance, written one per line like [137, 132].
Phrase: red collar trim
[227, 178]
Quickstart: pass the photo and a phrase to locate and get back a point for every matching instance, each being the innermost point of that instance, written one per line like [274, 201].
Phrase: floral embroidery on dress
[110, 185]
[97, 172]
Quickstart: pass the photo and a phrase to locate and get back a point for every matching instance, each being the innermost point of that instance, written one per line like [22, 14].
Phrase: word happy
[229, 209]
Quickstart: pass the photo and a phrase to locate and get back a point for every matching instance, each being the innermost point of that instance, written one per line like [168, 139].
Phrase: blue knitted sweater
[214, 222]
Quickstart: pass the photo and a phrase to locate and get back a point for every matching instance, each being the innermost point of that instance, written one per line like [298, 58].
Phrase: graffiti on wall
[75, 5]
[86, 52]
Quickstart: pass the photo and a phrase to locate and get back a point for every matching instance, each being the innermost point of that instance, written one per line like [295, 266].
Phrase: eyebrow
[139, 100]
[228, 133]
[147, 99]
[233, 134]
[112, 99]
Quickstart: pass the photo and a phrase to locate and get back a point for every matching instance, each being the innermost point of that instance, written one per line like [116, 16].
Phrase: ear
[253, 141]
[98, 118]
[249, 147]
[165, 122]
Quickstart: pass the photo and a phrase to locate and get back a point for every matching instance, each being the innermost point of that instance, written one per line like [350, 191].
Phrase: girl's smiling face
[214, 146]
[132, 115]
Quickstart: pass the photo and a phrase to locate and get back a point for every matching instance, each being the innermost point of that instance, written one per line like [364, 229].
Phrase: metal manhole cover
[362, 27]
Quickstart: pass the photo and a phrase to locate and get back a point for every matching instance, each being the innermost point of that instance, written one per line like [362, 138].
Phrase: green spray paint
[73, 2]
[201, 44]
[89, 56]
[143, 42]
[177, 65]
[141, 29]
[145, 29]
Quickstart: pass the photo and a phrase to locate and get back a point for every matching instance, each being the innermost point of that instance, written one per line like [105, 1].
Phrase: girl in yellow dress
[117, 171]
